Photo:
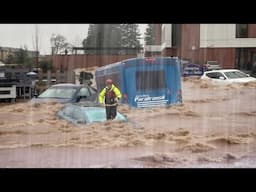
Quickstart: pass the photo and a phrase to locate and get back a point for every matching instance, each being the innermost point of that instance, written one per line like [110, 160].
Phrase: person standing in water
[112, 95]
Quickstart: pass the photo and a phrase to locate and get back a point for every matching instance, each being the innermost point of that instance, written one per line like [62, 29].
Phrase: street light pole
[37, 51]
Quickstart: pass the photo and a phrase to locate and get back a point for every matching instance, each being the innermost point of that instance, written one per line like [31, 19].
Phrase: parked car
[227, 76]
[212, 65]
[78, 113]
[67, 93]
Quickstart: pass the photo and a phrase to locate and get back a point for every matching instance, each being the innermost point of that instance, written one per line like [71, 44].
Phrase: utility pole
[36, 47]
[37, 52]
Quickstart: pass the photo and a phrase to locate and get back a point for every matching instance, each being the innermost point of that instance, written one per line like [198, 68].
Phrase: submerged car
[227, 76]
[67, 93]
[85, 114]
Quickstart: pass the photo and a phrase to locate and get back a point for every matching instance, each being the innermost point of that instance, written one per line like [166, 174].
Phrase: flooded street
[214, 127]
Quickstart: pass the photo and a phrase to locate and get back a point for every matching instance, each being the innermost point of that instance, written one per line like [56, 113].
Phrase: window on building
[176, 33]
[241, 30]
[242, 61]
[150, 80]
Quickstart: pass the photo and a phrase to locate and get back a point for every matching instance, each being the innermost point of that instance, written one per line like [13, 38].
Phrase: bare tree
[59, 44]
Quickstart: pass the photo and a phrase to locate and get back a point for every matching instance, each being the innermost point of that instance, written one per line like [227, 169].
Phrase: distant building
[6, 51]
[16, 76]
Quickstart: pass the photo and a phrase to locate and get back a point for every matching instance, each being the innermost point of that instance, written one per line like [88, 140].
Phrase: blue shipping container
[144, 82]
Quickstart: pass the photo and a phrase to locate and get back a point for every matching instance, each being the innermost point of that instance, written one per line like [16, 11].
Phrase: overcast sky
[18, 35]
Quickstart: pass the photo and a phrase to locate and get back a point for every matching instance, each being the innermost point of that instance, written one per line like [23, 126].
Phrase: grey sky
[18, 35]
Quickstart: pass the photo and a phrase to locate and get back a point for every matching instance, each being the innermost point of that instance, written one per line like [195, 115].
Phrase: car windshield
[235, 74]
[59, 92]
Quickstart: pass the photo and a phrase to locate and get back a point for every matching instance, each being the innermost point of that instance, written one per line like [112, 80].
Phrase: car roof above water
[92, 113]
[222, 70]
[66, 85]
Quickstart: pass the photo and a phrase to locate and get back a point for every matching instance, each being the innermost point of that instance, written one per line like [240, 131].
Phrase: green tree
[102, 36]
[24, 58]
[45, 65]
[21, 57]
[149, 37]
[90, 40]
[130, 36]
[10, 59]
[111, 36]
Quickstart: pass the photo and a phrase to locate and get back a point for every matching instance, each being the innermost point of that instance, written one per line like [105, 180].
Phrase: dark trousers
[111, 112]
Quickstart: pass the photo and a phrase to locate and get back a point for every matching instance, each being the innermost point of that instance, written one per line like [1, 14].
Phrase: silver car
[67, 93]
[212, 65]
[82, 113]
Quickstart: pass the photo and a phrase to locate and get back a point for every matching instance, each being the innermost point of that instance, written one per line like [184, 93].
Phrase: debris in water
[208, 159]
[18, 110]
[198, 147]
[230, 140]
[181, 132]
[230, 156]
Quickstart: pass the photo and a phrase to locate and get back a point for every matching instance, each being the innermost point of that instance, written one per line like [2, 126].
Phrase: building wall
[167, 52]
[225, 56]
[189, 46]
[153, 54]
[252, 30]
[69, 62]
[224, 35]
[157, 33]
[166, 35]
[202, 42]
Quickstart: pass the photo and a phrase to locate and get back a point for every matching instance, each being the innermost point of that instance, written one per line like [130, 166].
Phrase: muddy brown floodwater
[214, 127]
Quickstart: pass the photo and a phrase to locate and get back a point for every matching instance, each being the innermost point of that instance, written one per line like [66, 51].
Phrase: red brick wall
[252, 30]
[225, 56]
[157, 33]
[190, 36]
[69, 62]
[152, 54]
[167, 52]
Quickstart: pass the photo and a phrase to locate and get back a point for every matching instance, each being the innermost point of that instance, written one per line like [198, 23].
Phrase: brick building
[5, 52]
[232, 45]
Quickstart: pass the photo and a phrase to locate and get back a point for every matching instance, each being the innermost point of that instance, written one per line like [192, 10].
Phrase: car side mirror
[248, 75]
[35, 95]
[222, 78]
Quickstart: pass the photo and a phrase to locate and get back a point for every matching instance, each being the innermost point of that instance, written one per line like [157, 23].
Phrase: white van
[212, 65]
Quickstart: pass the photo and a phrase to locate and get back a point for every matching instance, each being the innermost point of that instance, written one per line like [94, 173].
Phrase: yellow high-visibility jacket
[114, 89]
